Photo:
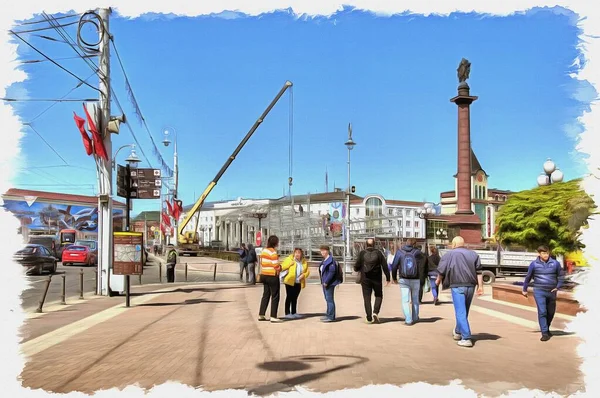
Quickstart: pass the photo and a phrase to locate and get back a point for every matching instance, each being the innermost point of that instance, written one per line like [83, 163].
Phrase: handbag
[427, 286]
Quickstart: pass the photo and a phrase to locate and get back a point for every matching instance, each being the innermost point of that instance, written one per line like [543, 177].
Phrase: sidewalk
[209, 336]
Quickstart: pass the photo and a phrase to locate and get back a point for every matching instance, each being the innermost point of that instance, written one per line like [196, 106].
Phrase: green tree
[551, 215]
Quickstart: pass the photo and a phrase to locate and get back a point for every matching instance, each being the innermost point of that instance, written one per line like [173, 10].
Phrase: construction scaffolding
[303, 224]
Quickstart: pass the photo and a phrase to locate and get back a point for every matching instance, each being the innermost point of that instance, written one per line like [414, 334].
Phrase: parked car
[92, 245]
[36, 259]
[78, 254]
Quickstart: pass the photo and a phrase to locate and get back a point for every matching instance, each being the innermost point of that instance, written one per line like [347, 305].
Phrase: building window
[357, 211]
[390, 212]
[416, 225]
[408, 223]
[408, 234]
[416, 234]
[374, 207]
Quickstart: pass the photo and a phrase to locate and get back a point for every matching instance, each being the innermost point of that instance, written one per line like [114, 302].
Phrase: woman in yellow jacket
[294, 274]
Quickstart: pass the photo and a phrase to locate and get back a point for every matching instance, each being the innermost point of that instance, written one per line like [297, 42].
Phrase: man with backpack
[243, 262]
[370, 264]
[331, 275]
[407, 264]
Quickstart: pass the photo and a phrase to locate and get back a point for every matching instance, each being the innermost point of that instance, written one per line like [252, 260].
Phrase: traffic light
[353, 189]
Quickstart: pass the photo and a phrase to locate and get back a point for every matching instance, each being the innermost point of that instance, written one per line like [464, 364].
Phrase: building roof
[325, 197]
[475, 165]
[153, 215]
[56, 196]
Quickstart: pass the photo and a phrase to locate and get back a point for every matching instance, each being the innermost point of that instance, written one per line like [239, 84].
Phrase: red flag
[166, 220]
[162, 228]
[170, 208]
[87, 142]
[178, 208]
[99, 148]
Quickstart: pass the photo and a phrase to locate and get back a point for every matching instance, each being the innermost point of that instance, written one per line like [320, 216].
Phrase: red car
[75, 254]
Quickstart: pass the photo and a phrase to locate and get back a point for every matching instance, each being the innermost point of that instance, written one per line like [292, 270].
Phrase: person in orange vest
[269, 276]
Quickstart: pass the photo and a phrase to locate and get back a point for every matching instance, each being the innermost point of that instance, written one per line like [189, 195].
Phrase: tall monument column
[465, 219]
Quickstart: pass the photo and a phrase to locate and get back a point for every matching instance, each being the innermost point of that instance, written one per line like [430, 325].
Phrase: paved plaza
[208, 335]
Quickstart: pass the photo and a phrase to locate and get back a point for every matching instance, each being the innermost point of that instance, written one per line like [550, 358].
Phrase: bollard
[96, 281]
[186, 269]
[127, 291]
[140, 279]
[39, 308]
[159, 272]
[63, 297]
[215, 273]
[80, 283]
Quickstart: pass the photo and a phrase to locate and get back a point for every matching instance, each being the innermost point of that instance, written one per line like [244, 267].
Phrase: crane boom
[231, 158]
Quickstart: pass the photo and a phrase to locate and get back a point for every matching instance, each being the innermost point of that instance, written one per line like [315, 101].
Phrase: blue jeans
[546, 306]
[461, 298]
[328, 292]
[409, 291]
[434, 288]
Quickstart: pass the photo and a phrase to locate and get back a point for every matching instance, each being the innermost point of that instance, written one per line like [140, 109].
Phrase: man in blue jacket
[546, 273]
[408, 264]
[329, 280]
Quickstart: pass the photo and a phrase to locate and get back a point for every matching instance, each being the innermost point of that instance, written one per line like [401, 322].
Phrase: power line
[45, 28]
[61, 17]
[51, 106]
[49, 99]
[71, 42]
[47, 143]
[138, 110]
[54, 62]
[34, 61]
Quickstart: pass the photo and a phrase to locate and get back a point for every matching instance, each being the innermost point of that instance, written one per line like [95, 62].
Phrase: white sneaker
[276, 320]
[465, 343]
[456, 336]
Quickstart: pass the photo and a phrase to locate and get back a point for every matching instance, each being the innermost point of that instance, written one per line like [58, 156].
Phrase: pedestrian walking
[460, 269]
[295, 271]
[432, 273]
[269, 276]
[422, 274]
[251, 260]
[547, 277]
[407, 263]
[328, 272]
[372, 264]
[171, 263]
[243, 262]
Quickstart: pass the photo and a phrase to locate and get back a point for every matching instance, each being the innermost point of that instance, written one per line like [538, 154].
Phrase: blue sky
[392, 77]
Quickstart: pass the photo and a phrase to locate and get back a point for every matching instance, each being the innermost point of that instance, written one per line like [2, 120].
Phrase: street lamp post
[240, 219]
[166, 143]
[347, 253]
[441, 233]
[550, 175]
[132, 161]
[259, 213]
[423, 213]
[227, 232]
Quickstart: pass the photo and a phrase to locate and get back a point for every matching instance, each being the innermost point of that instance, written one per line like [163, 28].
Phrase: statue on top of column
[463, 71]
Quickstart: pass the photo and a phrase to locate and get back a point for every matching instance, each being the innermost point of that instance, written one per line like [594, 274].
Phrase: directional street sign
[143, 183]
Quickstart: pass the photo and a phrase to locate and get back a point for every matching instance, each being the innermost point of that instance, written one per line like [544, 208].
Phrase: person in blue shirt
[546, 273]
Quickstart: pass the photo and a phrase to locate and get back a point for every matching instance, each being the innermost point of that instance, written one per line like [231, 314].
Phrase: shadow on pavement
[556, 333]
[186, 302]
[289, 383]
[477, 337]
[347, 318]
[192, 290]
[284, 366]
[390, 320]
[430, 320]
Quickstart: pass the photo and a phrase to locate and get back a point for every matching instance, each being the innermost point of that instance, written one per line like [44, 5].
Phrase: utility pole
[105, 197]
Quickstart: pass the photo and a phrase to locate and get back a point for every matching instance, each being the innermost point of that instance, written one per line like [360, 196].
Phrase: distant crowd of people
[459, 270]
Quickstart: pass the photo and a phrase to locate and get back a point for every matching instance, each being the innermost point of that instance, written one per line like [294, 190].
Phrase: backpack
[370, 260]
[409, 268]
[339, 271]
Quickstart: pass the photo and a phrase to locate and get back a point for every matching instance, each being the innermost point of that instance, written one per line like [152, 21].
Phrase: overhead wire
[47, 143]
[44, 28]
[76, 47]
[54, 62]
[49, 99]
[34, 61]
[40, 21]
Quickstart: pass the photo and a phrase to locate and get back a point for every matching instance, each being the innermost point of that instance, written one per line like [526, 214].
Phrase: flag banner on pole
[87, 141]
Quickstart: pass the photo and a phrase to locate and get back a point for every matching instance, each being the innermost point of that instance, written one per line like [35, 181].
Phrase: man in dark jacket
[460, 269]
[329, 280]
[243, 263]
[171, 263]
[370, 263]
[547, 276]
[251, 260]
[408, 265]
[422, 274]
[432, 265]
